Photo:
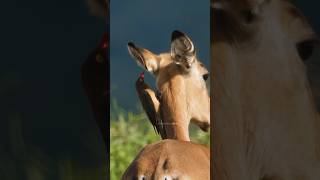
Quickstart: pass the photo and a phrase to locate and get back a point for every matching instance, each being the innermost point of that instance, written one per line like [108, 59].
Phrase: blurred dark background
[47, 130]
[311, 10]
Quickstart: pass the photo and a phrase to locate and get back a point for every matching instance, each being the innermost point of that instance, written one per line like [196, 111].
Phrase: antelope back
[171, 159]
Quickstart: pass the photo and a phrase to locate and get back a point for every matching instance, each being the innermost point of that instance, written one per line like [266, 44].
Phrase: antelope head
[262, 105]
[180, 78]
[260, 46]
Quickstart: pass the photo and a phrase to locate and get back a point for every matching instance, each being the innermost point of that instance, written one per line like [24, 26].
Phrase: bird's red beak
[141, 76]
[104, 43]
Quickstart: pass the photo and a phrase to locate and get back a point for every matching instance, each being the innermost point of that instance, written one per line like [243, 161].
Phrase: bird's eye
[306, 49]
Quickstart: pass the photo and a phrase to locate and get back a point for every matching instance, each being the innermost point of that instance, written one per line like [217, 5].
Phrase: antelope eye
[248, 16]
[178, 57]
[306, 49]
[205, 76]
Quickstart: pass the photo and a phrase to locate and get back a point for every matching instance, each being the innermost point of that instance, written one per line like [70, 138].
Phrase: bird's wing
[151, 106]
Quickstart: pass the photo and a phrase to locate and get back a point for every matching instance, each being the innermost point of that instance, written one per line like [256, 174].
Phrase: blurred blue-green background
[149, 24]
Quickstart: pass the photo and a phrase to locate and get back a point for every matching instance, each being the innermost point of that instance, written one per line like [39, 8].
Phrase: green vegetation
[129, 133]
[22, 159]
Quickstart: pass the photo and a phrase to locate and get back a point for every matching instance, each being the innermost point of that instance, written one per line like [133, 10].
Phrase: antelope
[170, 159]
[175, 73]
[184, 96]
[266, 125]
[95, 71]
[150, 103]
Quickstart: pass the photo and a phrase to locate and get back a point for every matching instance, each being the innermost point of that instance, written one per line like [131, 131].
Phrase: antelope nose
[188, 66]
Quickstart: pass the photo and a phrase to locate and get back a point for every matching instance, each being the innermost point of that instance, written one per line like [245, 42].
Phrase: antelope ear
[143, 57]
[181, 46]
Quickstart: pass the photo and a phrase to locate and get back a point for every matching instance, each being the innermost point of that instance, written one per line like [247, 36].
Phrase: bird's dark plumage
[95, 81]
[150, 104]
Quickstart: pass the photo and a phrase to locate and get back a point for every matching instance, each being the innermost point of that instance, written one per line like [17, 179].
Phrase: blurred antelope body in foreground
[171, 159]
[266, 126]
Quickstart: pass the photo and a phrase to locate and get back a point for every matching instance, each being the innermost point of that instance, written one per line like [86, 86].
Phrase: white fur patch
[142, 177]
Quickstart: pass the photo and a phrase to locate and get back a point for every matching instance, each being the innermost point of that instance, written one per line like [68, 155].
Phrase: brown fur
[184, 96]
[171, 158]
[180, 92]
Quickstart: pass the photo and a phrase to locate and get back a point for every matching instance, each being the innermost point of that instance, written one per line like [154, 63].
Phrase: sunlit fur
[184, 95]
[171, 159]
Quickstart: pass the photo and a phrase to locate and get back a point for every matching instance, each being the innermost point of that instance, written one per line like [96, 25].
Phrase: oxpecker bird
[150, 104]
